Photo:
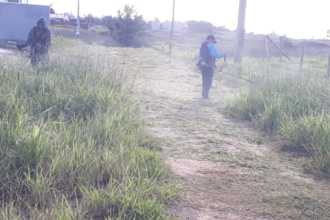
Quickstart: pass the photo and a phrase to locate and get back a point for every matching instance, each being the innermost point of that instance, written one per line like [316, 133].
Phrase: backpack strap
[34, 37]
[34, 42]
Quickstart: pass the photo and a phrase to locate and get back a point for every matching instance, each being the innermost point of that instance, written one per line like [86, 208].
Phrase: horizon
[298, 18]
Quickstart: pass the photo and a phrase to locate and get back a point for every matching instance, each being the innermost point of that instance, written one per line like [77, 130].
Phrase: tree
[93, 20]
[240, 33]
[201, 27]
[52, 11]
[126, 25]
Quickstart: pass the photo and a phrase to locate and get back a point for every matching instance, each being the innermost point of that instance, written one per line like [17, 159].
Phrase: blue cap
[42, 20]
[211, 37]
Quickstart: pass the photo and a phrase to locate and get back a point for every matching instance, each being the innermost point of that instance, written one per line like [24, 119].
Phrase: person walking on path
[206, 63]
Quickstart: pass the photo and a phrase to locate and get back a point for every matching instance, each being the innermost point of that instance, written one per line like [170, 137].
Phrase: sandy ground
[223, 172]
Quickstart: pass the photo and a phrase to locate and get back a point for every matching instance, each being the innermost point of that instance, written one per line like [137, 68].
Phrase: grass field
[73, 145]
[228, 167]
[287, 103]
[291, 105]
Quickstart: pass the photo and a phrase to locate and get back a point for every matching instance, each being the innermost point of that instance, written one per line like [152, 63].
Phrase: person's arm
[29, 40]
[214, 53]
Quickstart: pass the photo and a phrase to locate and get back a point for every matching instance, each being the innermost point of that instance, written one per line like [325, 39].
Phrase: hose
[221, 70]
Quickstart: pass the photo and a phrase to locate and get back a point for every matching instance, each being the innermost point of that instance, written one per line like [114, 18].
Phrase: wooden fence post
[266, 49]
[302, 56]
[328, 73]
[282, 47]
[284, 54]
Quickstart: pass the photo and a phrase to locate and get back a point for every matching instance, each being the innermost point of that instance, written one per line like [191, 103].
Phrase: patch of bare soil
[227, 169]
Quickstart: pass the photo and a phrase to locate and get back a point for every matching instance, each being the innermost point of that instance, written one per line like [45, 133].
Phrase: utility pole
[172, 32]
[240, 32]
[78, 22]
[172, 27]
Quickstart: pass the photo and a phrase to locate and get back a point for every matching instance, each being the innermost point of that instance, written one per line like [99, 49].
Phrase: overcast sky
[294, 18]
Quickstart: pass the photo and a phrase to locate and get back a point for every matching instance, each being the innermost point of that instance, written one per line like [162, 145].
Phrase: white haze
[294, 18]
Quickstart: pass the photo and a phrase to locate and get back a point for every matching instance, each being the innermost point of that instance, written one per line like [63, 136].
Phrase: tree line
[128, 23]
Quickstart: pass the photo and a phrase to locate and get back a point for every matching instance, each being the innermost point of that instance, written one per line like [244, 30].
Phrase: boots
[207, 74]
[205, 92]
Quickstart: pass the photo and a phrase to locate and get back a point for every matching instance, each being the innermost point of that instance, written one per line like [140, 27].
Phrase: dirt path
[227, 169]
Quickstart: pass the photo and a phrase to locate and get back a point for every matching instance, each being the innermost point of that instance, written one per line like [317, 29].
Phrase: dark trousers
[39, 57]
[207, 74]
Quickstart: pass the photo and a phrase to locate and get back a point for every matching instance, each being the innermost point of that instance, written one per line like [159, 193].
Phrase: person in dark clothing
[206, 63]
[40, 40]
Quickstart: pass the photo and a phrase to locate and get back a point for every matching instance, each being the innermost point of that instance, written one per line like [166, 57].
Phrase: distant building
[81, 20]
[62, 17]
[179, 27]
[67, 20]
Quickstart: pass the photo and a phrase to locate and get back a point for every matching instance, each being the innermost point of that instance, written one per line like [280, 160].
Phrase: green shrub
[201, 27]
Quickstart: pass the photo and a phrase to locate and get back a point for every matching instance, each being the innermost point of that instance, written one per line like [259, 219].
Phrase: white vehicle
[60, 17]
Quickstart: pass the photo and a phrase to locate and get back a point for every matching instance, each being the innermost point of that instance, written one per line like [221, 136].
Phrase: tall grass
[290, 104]
[285, 102]
[73, 145]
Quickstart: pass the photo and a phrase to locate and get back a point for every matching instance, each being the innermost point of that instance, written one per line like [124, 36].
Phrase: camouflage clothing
[40, 40]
